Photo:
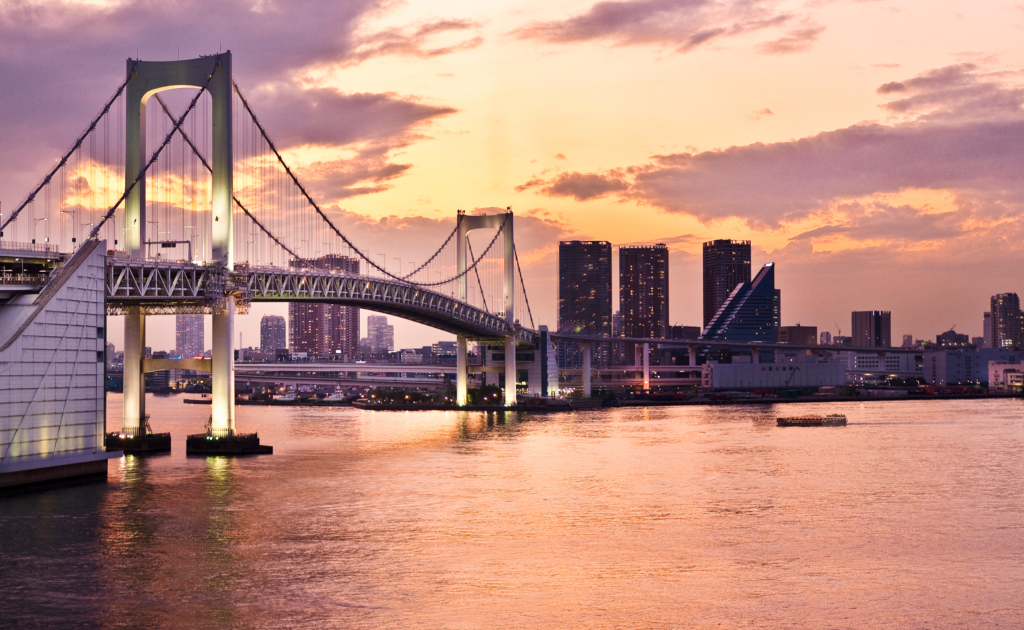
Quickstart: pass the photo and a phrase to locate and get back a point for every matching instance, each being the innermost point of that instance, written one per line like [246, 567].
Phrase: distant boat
[337, 397]
[831, 420]
[289, 397]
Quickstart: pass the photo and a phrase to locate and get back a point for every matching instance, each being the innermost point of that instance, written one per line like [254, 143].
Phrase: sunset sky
[872, 149]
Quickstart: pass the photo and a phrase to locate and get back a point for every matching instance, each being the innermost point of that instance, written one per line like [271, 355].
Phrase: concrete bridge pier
[693, 355]
[510, 370]
[222, 423]
[137, 437]
[588, 347]
[461, 371]
[755, 355]
[647, 367]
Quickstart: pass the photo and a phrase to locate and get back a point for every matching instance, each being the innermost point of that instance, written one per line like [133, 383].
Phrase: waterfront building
[965, 366]
[273, 333]
[799, 335]
[584, 297]
[1006, 321]
[1005, 377]
[726, 265]
[751, 313]
[871, 329]
[322, 330]
[745, 375]
[951, 339]
[643, 292]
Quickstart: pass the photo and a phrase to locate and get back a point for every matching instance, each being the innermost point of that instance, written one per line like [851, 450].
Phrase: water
[701, 517]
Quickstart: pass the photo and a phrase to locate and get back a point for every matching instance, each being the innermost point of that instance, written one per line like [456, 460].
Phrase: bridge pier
[510, 370]
[222, 422]
[461, 371]
[647, 367]
[134, 410]
[587, 346]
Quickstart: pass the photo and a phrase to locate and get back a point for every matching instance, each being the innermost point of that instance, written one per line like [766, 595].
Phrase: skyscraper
[643, 291]
[799, 335]
[380, 334]
[871, 329]
[986, 330]
[751, 312]
[825, 339]
[325, 329]
[188, 335]
[584, 296]
[1006, 321]
[726, 264]
[273, 333]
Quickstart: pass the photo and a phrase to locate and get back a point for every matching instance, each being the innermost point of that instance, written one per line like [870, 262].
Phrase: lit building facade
[726, 265]
[584, 297]
[1006, 321]
[189, 335]
[325, 330]
[643, 291]
[273, 333]
[751, 313]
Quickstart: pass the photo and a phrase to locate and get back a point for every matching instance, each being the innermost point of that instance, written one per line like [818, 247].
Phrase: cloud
[796, 40]
[761, 114]
[414, 41]
[60, 61]
[580, 186]
[681, 24]
[967, 135]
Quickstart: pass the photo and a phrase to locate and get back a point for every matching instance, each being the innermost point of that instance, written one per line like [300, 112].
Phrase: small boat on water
[289, 397]
[831, 420]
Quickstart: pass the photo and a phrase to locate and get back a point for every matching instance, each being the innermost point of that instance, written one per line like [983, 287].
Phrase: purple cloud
[682, 24]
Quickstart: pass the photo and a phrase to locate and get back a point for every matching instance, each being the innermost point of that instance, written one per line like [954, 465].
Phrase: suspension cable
[478, 282]
[334, 228]
[156, 154]
[522, 283]
[195, 150]
[75, 147]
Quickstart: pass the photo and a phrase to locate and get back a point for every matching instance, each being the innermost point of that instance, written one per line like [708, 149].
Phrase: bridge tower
[146, 79]
[467, 224]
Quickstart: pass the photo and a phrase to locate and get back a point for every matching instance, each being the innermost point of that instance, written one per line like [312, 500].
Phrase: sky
[872, 149]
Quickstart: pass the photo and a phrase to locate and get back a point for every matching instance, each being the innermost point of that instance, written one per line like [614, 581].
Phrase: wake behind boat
[831, 420]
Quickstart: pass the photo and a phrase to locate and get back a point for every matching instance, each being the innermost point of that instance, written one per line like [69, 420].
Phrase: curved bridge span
[142, 286]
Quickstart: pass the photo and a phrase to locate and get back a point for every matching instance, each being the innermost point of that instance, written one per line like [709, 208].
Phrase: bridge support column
[755, 355]
[510, 370]
[693, 356]
[647, 367]
[223, 378]
[461, 371]
[134, 414]
[587, 350]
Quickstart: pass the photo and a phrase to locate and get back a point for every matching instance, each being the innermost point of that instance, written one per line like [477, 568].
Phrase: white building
[52, 347]
[1005, 376]
[964, 366]
[772, 375]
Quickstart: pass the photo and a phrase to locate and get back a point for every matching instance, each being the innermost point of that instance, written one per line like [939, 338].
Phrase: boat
[831, 420]
[337, 397]
[289, 397]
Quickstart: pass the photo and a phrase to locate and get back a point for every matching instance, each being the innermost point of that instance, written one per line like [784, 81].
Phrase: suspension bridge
[216, 218]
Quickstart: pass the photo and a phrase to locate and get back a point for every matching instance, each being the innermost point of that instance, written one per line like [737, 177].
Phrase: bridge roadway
[165, 287]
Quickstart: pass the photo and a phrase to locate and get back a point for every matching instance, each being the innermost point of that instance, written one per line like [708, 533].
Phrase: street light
[34, 229]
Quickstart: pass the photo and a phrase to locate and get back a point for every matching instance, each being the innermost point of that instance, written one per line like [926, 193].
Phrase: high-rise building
[726, 264]
[188, 335]
[584, 297]
[825, 339]
[871, 329]
[986, 330]
[273, 333]
[908, 341]
[325, 329]
[751, 313]
[643, 291]
[1006, 321]
[380, 335]
[799, 335]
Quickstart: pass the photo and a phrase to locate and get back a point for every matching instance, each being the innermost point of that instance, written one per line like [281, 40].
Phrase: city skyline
[590, 131]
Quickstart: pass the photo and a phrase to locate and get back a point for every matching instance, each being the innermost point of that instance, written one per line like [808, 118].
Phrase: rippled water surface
[689, 517]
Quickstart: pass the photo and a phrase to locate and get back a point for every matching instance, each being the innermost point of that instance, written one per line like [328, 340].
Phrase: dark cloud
[59, 62]
[321, 116]
[968, 136]
[682, 24]
[580, 186]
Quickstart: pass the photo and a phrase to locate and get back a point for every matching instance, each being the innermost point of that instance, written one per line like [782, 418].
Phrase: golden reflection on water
[629, 518]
